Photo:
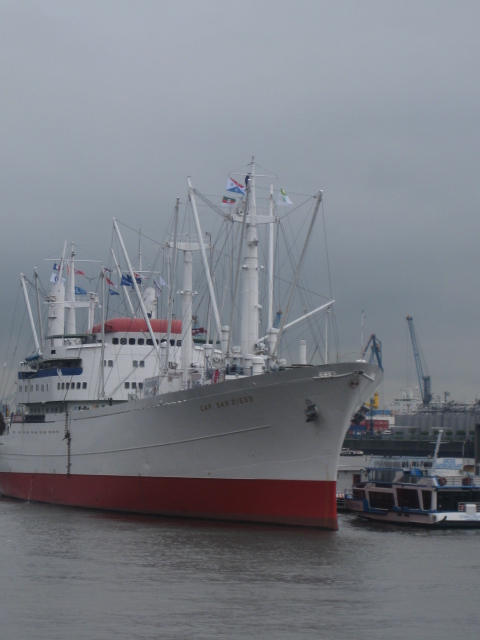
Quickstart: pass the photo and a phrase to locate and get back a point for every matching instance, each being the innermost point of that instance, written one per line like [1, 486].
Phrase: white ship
[132, 415]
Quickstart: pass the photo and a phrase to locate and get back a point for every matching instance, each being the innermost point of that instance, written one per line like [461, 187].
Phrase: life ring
[442, 481]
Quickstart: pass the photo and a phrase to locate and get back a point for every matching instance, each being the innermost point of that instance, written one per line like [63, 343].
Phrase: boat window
[408, 498]
[134, 385]
[427, 500]
[131, 341]
[58, 385]
[150, 342]
[20, 387]
[47, 386]
[79, 384]
[67, 385]
[141, 341]
[53, 351]
[123, 341]
[110, 363]
[43, 387]
[142, 363]
[381, 475]
[127, 385]
[179, 343]
[380, 499]
[63, 385]
[359, 494]
[357, 478]
[114, 340]
[135, 363]
[140, 385]
[84, 385]
[448, 500]
[36, 387]
[31, 387]
[172, 343]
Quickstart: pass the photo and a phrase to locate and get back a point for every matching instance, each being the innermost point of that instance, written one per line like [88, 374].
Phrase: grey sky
[108, 105]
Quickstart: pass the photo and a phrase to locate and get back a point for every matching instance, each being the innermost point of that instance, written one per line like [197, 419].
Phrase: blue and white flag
[80, 292]
[54, 278]
[126, 280]
[236, 187]
[113, 293]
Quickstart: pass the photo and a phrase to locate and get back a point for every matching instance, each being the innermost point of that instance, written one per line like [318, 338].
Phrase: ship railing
[462, 505]
[458, 480]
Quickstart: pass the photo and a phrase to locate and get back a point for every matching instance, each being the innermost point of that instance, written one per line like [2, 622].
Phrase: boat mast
[119, 271]
[70, 324]
[435, 455]
[208, 276]
[270, 262]
[30, 315]
[172, 286]
[137, 291]
[39, 311]
[250, 305]
[56, 305]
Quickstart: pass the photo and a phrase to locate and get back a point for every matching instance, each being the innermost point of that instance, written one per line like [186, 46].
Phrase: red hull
[293, 502]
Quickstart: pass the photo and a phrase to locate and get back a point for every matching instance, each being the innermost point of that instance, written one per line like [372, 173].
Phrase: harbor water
[76, 574]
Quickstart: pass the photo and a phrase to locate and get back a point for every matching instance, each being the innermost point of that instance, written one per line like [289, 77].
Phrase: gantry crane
[422, 372]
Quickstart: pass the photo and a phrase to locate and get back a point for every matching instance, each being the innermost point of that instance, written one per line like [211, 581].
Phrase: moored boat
[130, 414]
[418, 491]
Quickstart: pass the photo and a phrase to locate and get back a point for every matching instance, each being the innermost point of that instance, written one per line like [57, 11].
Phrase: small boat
[417, 491]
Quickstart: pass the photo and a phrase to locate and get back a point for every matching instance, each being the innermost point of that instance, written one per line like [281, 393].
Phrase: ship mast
[250, 305]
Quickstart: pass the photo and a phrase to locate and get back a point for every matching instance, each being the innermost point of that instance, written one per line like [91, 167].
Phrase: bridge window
[114, 340]
[141, 341]
[131, 341]
[79, 384]
[84, 385]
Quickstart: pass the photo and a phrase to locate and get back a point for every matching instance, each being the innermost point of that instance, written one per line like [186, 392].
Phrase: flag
[162, 282]
[228, 201]
[158, 288]
[236, 187]
[56, 267]
[110, 282]
[283, 199]
[126, 280]
[78, 272]
[138, 278]
[54, 278]
[80, 292]
[113, 293]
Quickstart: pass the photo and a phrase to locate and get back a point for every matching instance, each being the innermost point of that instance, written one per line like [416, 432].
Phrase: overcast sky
[108, 105]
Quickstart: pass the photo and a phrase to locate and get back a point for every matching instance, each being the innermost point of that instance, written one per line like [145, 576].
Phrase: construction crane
[422, 372]
[376, 350]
